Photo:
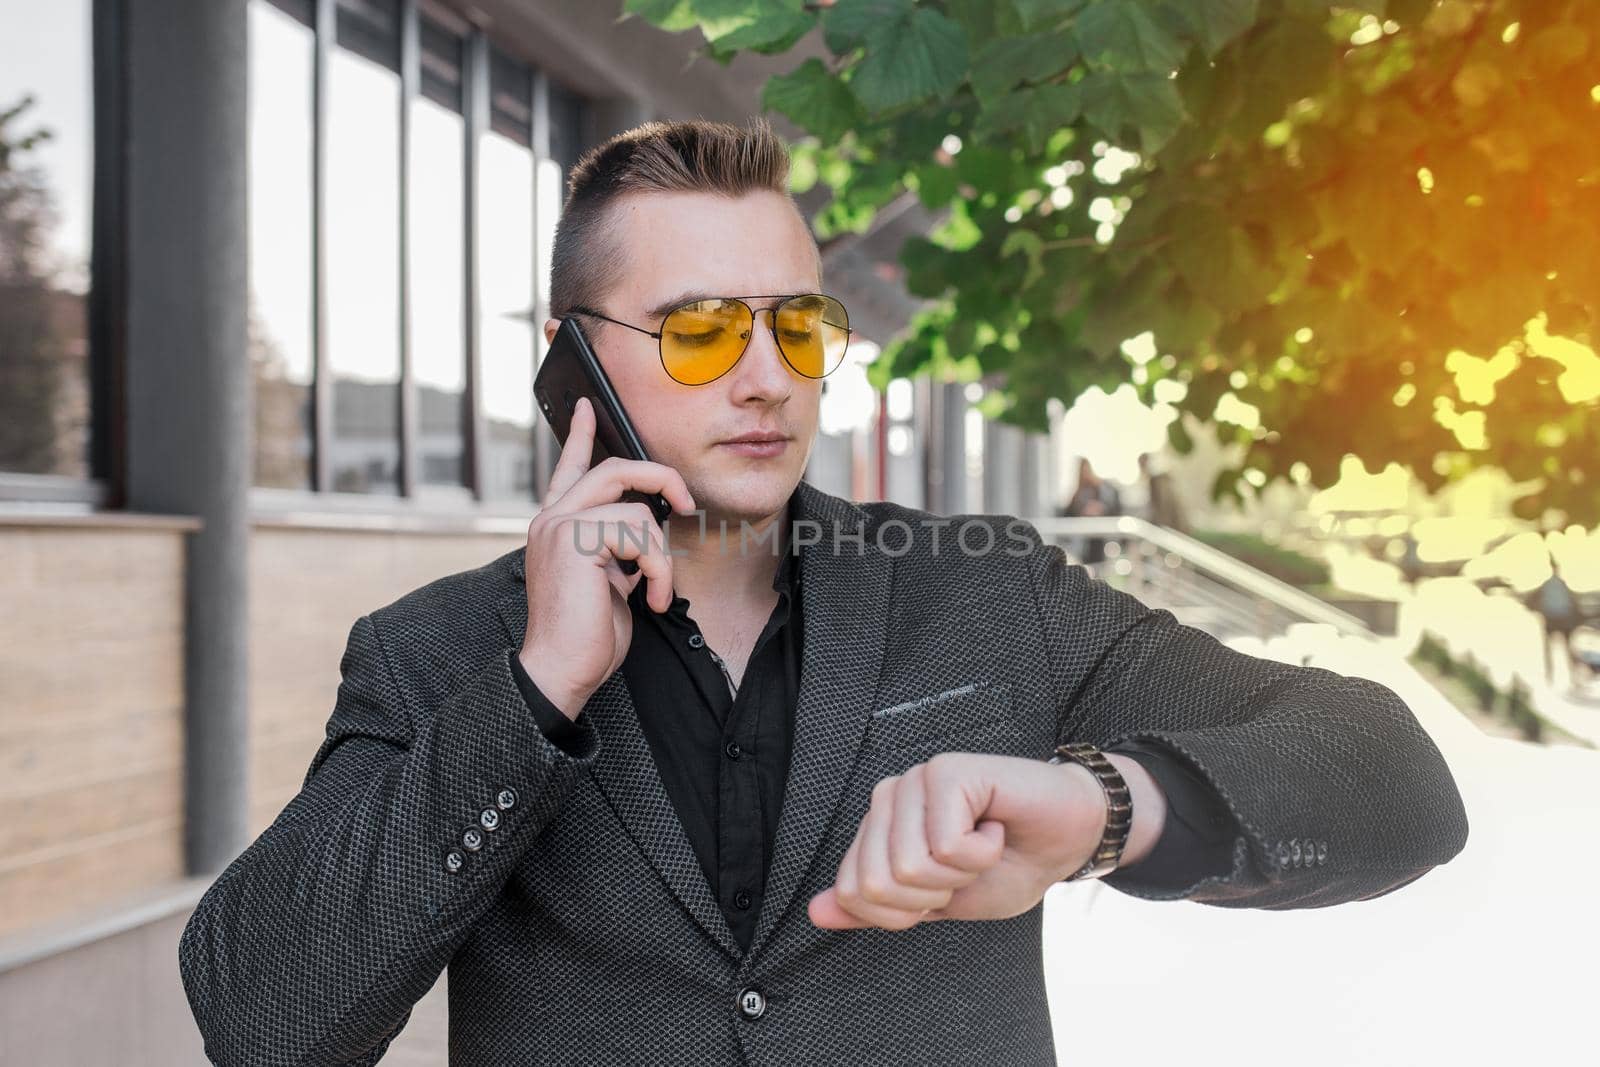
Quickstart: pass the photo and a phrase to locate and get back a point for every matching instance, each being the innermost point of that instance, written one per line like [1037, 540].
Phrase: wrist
[1087, 810]
[1105, 808]
[567, 698]
[1149, 808]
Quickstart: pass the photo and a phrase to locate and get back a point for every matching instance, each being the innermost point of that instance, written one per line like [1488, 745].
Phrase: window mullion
[475, 93]
[410, 76]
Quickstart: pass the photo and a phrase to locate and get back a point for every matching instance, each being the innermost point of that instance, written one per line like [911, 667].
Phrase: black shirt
[724, 758]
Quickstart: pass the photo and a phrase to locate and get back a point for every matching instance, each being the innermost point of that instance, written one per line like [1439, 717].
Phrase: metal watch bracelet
[1119, 807]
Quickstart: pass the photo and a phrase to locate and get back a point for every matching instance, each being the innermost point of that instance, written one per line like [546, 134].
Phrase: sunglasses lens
[700, 341]
[813, 332]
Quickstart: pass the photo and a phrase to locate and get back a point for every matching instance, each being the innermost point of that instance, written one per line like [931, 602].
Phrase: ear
[550, 328]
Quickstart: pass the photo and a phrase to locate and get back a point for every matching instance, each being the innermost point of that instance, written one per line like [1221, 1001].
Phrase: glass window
[506, 280]
[282, 55]
[363, 247]
[437, 208]
[46, 182]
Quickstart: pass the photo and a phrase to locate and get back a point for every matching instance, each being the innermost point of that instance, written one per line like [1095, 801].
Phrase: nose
[762, 368]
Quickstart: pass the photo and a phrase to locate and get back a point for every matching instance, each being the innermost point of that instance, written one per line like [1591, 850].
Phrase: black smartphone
[571, 370]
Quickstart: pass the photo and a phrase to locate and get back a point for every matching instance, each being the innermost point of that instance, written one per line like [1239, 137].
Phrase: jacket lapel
[844, 596]
[844, 602]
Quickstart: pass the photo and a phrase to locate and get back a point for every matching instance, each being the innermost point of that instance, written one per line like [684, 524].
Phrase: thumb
[826, 912]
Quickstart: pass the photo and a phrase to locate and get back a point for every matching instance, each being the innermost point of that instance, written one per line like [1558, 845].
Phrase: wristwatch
[1119, 807]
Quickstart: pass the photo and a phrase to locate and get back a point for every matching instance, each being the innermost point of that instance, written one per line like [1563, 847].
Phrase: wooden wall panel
[91, 717]
[307, 588]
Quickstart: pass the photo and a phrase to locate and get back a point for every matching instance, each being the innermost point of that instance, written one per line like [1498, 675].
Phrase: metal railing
[1200, 584]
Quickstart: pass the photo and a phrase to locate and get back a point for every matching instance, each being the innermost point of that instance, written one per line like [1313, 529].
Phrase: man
[785, 794]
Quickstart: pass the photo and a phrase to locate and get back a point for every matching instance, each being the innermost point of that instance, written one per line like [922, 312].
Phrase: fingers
[617, 531]
[910, 860]
[576, 451]
[867, 887]
[574, 485]
[950, 815]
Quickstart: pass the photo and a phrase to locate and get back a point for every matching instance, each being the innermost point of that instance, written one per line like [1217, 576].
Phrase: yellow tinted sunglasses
[702, 339]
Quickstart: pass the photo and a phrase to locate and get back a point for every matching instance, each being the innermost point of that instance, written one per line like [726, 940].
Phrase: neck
[722, 561]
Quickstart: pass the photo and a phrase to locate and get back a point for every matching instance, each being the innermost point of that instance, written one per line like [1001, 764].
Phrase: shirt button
[741, 900]
[489, 819]
[472, 840]
[453, 861]
[695, 640]
[505, 798]
[733, 750]
[751, 1003]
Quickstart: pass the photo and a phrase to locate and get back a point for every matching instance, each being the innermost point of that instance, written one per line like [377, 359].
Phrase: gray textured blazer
[581, 930]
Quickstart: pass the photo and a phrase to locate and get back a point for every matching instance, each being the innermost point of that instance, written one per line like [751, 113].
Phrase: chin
[745, 496]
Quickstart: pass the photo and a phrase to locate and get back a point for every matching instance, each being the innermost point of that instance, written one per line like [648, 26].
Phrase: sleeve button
[489, 819]
[505, 799]
[453, 861]
[472, 840]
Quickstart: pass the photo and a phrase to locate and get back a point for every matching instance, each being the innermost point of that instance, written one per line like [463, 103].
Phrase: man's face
[678, 246]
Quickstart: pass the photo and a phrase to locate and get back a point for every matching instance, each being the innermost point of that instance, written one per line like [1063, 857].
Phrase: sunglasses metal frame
[755, 313]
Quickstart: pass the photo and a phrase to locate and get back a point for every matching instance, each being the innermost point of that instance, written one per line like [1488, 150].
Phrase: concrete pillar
[1030, 503]
[189, 396]
[950, 448]
[1002, 468]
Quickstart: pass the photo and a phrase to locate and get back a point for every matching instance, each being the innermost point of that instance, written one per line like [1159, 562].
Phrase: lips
[757, 437]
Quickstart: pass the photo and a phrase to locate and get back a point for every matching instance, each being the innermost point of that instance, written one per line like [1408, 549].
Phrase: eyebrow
[660, 310]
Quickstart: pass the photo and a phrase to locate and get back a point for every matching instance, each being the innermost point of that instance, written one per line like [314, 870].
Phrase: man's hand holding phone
[579, 623]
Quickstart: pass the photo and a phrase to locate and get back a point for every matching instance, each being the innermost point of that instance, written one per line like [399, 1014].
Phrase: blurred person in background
[1558, 611]
[1093, 497]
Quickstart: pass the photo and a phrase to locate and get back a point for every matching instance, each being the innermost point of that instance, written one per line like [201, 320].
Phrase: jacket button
[741, 900]
[489, 819]
[733, 750]
[472, 840]
[1283, 854]
[453, 861]
[1294, 851]
[505, 798]
[695, 640]
[751, 1003]
[1322, 852]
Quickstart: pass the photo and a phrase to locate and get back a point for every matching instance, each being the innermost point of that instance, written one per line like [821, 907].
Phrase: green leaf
[936, 185]
[1030, 245]
[846, 24]
[1290, 60]
[1005, 61]
[670, 15]
[913, 59]
[815, 99]
[1213, 24]
[1036, 113]
[1121, 35]
[1147, 102]
[770, 31]
[1035, 13]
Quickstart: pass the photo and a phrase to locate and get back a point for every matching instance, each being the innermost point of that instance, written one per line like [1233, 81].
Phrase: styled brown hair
[688, 156]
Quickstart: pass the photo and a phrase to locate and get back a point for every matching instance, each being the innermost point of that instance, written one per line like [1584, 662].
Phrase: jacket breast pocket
[942, 717]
